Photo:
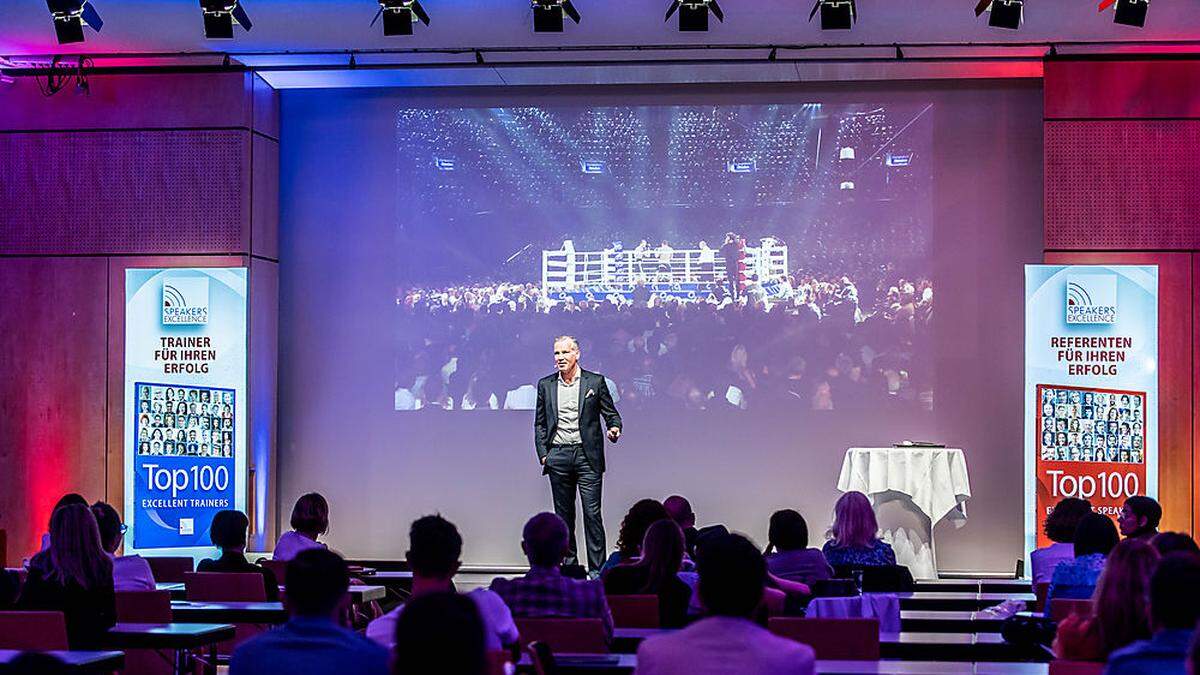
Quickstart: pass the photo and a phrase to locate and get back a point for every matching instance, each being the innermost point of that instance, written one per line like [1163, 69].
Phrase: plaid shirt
[547, 593]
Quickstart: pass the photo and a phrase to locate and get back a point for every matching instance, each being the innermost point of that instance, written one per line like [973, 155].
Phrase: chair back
[832, 639]
[225, 586]
[33, 631]
[278, 567]
[1061, 608]
[170, 569]
[144, 606]
[879, 578]
[1040, 591]
[583, 636]
[543, 658]
[497, 661]
[1064, 667]
[634, 611]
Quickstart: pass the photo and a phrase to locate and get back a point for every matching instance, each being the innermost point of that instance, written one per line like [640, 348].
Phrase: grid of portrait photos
[1091, 425]
[174, 420]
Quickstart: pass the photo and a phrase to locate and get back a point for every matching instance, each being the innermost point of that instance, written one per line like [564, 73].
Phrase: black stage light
[70, 16]
[399, 16]
[1003, 13]
[219, 16]
[693, 14]
[835, 14]
[1131, 12]
[548, 15]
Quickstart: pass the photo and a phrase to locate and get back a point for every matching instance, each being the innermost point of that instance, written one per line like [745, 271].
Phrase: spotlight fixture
[219, 16]
[70, 16]
[1128, 12]
[835, 14]
[548, 15]
[693, 14]
[1003, 13]
[399, 16]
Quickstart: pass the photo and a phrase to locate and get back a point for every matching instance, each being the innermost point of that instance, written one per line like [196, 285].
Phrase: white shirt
[567, 429]
[290, 543]
[498, 625]
[131, 573]
[721, 644]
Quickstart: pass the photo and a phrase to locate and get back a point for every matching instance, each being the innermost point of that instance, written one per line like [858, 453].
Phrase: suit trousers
[569, 470]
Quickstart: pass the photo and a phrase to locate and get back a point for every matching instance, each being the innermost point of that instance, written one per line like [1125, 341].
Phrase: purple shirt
[722, 644]
[131, 573]
[1043, 561]
[291, 543]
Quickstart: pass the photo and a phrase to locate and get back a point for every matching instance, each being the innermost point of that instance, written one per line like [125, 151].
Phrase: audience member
[312, 642]
[229, 534]
[656, 572]
[544, 591]
[130, 572]
[732, 576]
[1119, 614]
[1174, 542]
[1076, 579]
[853, 537]
[788, 555]
[641, 515]
[1139, 517]
[680, 511]
[1060, 527]
[69, 498]
[1174, 609]
[433, 555]
[440, 633]
[73, 576]
[310, 519]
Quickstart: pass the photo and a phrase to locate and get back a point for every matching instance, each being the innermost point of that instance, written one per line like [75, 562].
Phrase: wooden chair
[832, 639]
[1040, 591]
[170, 569]
[278, 567]
[37, 631]
[225, 586]
[144, 606]
[583, 636]
[1061, 608]
[1064, 667]
[634, 611]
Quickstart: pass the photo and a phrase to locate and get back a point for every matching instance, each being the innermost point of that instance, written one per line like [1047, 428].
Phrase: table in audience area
[974, 585]
[177, 637]
[358, 594]
[78, 661]
[921, 621]
[882, 606]
[961, 602]
[184, 611]
[597, 664]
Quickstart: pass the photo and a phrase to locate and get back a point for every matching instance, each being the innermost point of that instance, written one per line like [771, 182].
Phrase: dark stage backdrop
[411, 219]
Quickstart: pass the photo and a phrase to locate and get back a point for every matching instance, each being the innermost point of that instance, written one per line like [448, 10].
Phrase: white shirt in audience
[131, 573]
[723, 644]
[290, 543]
[1043, 560]
[498, 626]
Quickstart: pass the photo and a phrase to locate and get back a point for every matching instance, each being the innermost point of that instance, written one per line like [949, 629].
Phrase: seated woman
[1060, 528]
[229, 534]
[310, 519]
[1076, 579]
[1120, 614]
[633, 530]
[74, 576]
[130, 572]
[853, 537]
[656, 572]
[69, 498]
[788, 555]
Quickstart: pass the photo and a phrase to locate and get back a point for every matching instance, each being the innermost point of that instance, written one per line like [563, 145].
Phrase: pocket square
[590, 392]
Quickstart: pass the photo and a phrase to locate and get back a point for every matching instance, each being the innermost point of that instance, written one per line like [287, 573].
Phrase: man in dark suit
[570, 443]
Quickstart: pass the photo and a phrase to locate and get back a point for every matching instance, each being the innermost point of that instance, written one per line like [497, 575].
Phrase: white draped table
[912, 489]
[882, 606]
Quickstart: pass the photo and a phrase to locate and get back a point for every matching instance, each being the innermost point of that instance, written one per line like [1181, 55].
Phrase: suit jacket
[595, 403]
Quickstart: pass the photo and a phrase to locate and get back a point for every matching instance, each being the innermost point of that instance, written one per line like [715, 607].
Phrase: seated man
[1139, 518]
[545, 592]
[312, 642]
[732, 574]
[1174, 610]
[433, 551]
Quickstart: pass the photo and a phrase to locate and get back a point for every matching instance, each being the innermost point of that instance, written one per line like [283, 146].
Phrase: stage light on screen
[219, 17]
[1002, 13]
[69, 18]
[548, 15]
[693, 14]
[1128, 12]
[835, 14]
[399, 16]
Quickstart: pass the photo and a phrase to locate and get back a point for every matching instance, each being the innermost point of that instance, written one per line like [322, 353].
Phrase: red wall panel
[1122, 88]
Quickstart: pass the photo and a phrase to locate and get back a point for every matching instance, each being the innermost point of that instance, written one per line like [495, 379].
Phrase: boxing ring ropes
[686, 273]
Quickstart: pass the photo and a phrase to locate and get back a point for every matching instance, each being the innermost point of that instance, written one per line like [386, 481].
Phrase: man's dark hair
[1064, 518]
[439, 633]
[1145, 507]
[109, 522]
[788, 531]
[317, 580]
[1175, 592]
[1174, 542]
[546, 539]
[732, 575]
[229, 529]
[1095, 534]
[434, 546]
